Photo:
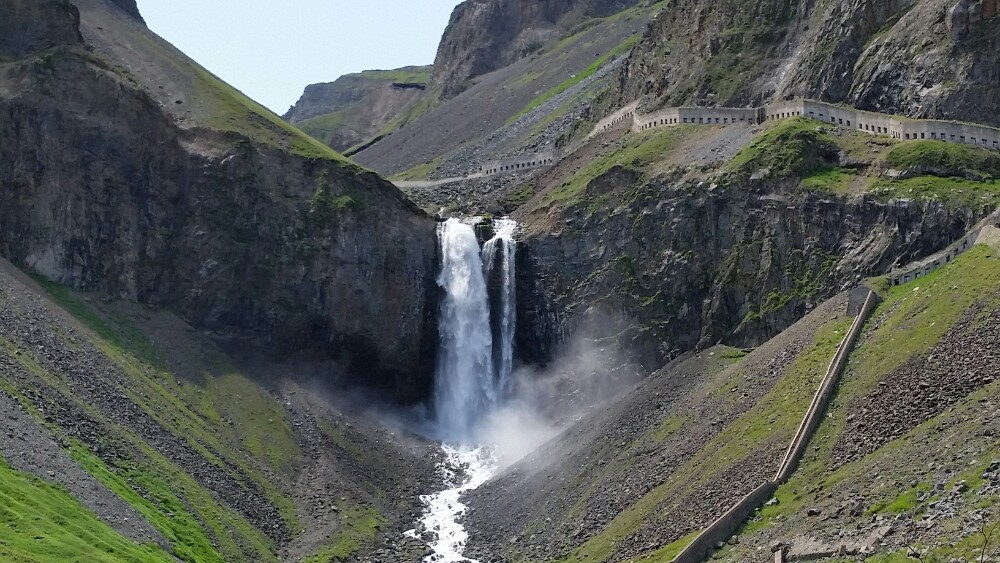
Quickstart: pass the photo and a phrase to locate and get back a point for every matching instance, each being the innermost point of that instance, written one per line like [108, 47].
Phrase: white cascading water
[503, 243]
[467, 386]
[464, 386]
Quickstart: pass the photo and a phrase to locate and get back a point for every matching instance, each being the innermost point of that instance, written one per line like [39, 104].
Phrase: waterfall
[473, 373]
[474, 366]
[503, 243]
[464, 386]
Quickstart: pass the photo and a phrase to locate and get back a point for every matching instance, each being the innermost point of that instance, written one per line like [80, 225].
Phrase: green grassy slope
[185, 89]
[810, 151]
[44, 523]
[769, 424]
[173, 387]
[902, 479]
[254, 441]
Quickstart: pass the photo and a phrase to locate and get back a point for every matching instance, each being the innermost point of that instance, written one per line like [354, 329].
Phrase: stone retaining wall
[724, 527]
[625, 117]
[870, 122]
[515, 164]
[923, 267]
[818, 406]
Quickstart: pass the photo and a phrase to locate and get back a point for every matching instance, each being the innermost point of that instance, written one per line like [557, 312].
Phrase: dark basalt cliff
[29, 25]
[306, 257]
[683, 267]
[486, 35]
[936, 58]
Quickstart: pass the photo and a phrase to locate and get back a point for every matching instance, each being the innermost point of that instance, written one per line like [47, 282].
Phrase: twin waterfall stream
[474, 371]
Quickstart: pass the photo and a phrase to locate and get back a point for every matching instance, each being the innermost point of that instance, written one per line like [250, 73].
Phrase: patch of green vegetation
[411, 113]
[405, 75]
[520, 196]
[358, 528]
[43, 522]
[951, 159]
[247, 434]
[831, 179]
[156, 502]
[324, 205]
[639, 152]
[124, 336]
[805, 282]
[903, 503]
[796, 147]
[337, 436]
[525, 79]
[234, 111]
[324, 126]
[227, 527]
[421, 171]
[919, 313]
[667, 553]
[670, 426]
[953, 192]
[909, 322]
[772, 420]
[735, 353]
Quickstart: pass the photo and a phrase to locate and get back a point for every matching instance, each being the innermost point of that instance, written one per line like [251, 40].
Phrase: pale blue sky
[271, 49]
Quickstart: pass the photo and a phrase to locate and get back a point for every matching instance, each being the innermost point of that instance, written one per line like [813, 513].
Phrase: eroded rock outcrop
[684, 266]
[895, 56]
[32, 25]
[485, 35]
[966, 14]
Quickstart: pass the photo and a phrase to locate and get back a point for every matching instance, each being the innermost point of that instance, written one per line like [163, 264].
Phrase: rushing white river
[465, 468]
[474, 372]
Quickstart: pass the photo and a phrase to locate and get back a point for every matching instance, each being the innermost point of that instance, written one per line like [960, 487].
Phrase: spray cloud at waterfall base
[474, 371]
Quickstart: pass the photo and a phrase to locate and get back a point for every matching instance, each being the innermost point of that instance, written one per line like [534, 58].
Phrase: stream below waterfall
[464, 469]
[474, 372]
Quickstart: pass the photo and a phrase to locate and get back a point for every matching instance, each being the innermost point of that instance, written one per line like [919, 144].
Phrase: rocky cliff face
[129, 7]
[29, 25]
[310, 257]
[924, 59]
[686, 267]
[486, 35]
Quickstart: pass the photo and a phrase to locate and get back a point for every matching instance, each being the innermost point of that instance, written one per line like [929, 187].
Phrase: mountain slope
[159, 432]
[921, 58]
[487, 35]
[906, 457]
[134, 171]
[459, 126]
[692, 235]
